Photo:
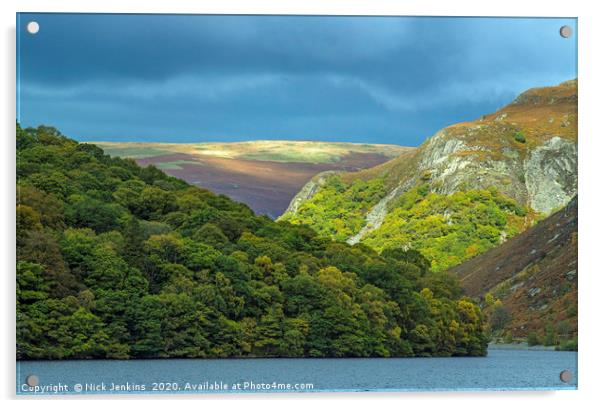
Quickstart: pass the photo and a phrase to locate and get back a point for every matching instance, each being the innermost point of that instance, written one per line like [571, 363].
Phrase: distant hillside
[465, 190]
[263, 174]
[534, 275]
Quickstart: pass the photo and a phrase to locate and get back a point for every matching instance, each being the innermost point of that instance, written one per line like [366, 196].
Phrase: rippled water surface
[501, 369]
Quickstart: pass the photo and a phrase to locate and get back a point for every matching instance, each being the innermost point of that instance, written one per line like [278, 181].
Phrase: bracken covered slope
[534, 275]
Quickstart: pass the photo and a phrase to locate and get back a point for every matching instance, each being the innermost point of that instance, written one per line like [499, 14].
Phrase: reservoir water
[500, 370]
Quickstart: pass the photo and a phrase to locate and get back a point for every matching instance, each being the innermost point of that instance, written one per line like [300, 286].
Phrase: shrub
[570, 345]
[550, 338]
[533, 339]
[520, 137]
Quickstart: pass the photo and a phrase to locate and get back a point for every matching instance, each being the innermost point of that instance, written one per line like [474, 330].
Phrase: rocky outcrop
[453, 163]
[551, 174]
[543, 177]
[308, 191]
[526, 150]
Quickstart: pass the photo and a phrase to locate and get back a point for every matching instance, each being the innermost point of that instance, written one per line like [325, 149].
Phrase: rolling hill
[262, 174]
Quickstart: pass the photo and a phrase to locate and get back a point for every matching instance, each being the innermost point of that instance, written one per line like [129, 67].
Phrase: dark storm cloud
[194, 78]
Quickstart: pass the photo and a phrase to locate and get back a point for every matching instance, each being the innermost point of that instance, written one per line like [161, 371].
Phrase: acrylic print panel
[260, 204]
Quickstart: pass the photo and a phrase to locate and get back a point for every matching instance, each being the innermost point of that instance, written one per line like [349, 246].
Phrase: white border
[590, 134]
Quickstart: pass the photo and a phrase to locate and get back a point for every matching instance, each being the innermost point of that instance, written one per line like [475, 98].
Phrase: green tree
[270, 331]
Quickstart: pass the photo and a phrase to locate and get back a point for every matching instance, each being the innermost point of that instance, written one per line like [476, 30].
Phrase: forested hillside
[119, 261]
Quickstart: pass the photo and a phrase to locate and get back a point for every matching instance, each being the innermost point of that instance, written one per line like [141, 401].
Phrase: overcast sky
[178, 78]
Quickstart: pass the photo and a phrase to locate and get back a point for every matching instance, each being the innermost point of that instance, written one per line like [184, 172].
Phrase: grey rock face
[545, 179]
[453, 164]
[438, 150]
[551, 174]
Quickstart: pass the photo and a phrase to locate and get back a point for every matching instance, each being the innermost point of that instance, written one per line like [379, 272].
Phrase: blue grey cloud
[195, 78]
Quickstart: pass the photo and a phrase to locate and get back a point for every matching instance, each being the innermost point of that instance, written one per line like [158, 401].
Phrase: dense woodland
[446, 229]
[119, 261]
[449, 229]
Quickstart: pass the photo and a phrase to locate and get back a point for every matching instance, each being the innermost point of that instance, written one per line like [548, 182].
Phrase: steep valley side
[529, 284]
[468, 188]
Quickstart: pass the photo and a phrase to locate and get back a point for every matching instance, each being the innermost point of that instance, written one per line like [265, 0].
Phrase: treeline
[119, 261]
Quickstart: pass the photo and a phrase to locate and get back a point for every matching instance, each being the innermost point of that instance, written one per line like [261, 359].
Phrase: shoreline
[519, 346]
